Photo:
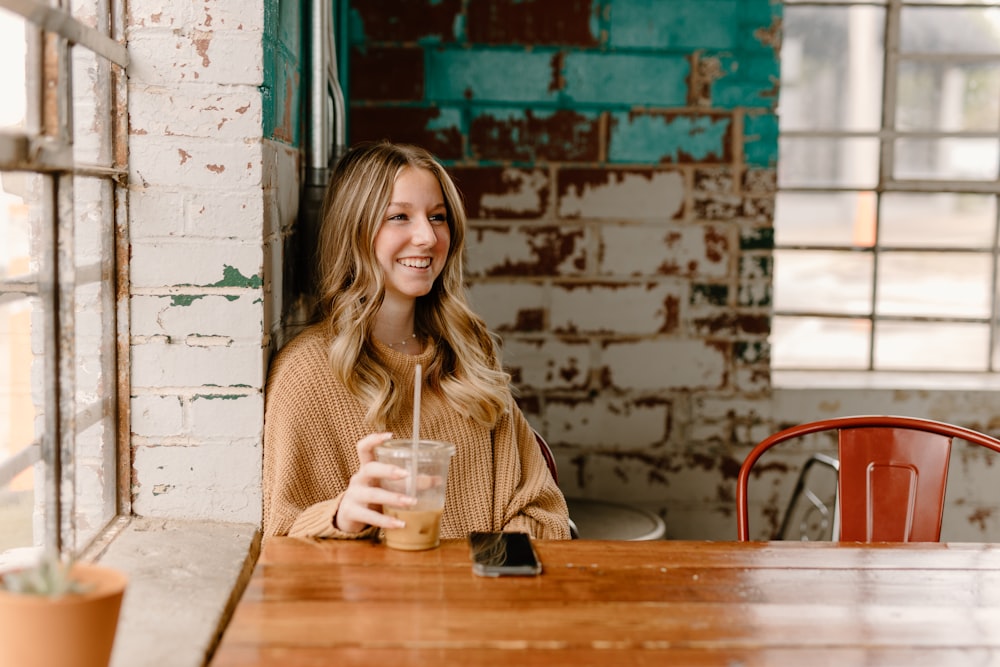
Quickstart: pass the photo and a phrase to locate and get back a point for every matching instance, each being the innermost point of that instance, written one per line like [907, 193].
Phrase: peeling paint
[184, 299]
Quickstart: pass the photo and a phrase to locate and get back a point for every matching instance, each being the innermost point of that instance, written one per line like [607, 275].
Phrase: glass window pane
[12, 74]
[943, 219]
[949, 30]
[947, 159]
[17, 421]
[823, 280]
[95, 373]
[21, 362]
[824, 218]
[931, 346]
[827, 78]
[827, 162]
[934, 284]
[948, 96]
[817, 342]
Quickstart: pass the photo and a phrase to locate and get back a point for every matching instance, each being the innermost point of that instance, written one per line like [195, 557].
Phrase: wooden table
[658, 603]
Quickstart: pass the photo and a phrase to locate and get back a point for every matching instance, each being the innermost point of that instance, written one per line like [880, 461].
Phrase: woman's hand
[362, 503]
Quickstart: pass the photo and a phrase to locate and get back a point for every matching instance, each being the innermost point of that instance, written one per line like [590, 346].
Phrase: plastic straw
[411, 480]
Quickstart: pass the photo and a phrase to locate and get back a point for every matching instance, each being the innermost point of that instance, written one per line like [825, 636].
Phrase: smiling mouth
[414, 263]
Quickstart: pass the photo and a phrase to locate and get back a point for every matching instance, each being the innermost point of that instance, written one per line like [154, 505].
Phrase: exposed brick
[624, 80]
[201, 264]
[155, 366]
[608, 422]
[731, 324]
[713, 180]
[482, 75]
[667, 250]
[754, 294]
[670, 137]
[752, 352]
[434, 128]
[387, 74]
[754, 267]
[222, 414]
[623, 309]
[718, 207]
[407, 20]
[548, 364]
[216, 481]
[537, 22]
[642, 24]
[529, 135]
[526, 251]
[229, 57]
[498, 192]
[757, 238]
[658, 365]
[707, 294]
[188, 112]
[193, 162]
[620, 193]
[510, 306]
[156, 416]
[760, 181]
[179, 316]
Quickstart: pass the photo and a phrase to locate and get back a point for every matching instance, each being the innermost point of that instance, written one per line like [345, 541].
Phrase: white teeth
[416, 263]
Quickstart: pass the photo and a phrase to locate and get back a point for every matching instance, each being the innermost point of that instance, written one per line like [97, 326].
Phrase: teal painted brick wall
[617, 158]
[281, 91]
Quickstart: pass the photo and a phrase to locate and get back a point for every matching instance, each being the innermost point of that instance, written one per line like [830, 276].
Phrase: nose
[423, 232]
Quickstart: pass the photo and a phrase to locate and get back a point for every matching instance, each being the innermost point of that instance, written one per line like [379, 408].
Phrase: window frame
[46, 149]
[887, 134]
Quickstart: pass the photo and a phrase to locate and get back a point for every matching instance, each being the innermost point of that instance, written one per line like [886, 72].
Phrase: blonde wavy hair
[466, 367]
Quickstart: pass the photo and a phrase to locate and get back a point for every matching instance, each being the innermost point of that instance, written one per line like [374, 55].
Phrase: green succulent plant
[50, 576]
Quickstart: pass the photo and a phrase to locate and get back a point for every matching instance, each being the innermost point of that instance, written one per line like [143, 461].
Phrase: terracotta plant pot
[77, 630]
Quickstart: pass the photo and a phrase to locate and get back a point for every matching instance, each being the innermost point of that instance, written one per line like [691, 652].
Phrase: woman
[392, 296]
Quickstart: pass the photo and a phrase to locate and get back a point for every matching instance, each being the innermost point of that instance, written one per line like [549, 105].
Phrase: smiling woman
[392, 304]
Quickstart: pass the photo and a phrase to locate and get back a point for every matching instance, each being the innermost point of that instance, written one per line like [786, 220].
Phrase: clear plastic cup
[428, 461]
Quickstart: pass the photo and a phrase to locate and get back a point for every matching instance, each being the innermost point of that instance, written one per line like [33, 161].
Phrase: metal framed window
[886, 220]
[63, 167]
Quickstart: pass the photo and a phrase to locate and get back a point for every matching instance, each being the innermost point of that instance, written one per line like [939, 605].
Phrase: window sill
[885, 380]
[184, 580]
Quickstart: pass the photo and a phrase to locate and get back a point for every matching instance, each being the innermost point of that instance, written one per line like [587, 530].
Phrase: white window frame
[46, 149]
[886, 136]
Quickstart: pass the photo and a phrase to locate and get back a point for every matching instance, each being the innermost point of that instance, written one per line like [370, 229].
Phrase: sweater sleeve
[535, 504]
[306, 467]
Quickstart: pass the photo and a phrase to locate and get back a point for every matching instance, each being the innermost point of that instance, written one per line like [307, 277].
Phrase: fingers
[366, 446]
[375, 485]
[361, 507]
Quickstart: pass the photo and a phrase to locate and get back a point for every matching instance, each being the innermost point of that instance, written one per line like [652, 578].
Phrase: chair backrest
[550, 459]
[893, 473]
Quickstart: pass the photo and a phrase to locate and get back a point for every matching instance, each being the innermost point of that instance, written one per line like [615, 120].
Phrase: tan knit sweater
[498, 479]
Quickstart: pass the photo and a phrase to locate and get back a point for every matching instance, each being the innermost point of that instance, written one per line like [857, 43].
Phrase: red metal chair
[893, 473]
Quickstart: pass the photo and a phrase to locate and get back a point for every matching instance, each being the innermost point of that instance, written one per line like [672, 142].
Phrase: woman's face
[412, 244]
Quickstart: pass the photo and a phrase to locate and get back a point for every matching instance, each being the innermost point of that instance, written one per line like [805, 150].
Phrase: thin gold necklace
[406, 340]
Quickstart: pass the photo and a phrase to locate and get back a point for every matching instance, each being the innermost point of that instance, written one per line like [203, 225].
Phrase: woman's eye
[439, 218]
[398, 216]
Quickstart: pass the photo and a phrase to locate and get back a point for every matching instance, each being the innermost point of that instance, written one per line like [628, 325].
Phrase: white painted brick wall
[200, 223]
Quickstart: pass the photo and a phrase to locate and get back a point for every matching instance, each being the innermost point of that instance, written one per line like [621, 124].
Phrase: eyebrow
[406, 204]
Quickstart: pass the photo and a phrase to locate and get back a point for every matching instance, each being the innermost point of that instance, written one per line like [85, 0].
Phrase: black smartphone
[503, 554]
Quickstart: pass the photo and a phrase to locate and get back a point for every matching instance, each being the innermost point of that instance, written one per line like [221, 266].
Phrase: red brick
[412, 125]
[548, 250]
[387, 74]
[500, 192]
[538, 22]
[561, 136]
[407, 20]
